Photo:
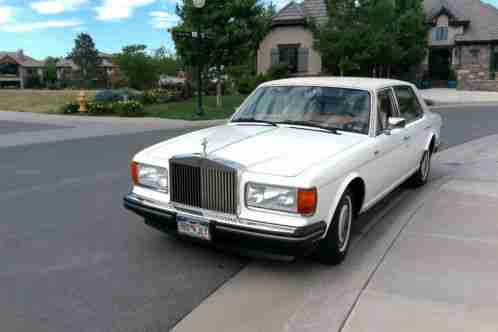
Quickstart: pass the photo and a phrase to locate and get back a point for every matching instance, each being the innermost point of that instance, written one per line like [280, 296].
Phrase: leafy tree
[51, 70]
[166, 62]
[86, 57]
[372, 37]
[138, 67]
[237, 26]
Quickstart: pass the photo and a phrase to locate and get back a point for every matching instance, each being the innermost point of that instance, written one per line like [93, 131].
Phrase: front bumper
[248, 235]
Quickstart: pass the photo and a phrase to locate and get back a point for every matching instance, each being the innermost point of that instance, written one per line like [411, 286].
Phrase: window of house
[409, 106]
[288, 55]
[10, 69]
[441, 33]
[474, 56]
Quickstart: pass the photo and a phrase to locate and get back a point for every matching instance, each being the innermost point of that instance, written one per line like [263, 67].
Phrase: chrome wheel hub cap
[345, 218]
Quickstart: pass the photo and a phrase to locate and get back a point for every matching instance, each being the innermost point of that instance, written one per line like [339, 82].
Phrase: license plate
[193, 227]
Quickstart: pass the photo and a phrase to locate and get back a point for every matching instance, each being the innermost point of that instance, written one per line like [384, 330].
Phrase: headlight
[293, 200]
[150, 176]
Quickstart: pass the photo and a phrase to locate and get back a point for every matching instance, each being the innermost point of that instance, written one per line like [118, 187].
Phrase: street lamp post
[199, 4]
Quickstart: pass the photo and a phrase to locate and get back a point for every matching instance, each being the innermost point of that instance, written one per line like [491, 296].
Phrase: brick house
[66, 67]
[19, 70]
[462, 36]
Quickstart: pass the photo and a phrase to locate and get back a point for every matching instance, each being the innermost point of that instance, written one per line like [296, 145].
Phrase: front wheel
[422, 175]
[334, 247]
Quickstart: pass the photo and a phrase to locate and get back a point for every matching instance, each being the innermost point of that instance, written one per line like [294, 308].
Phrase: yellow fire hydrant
[83, 102]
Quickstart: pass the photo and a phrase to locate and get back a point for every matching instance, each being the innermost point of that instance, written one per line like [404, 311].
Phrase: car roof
[362, 83]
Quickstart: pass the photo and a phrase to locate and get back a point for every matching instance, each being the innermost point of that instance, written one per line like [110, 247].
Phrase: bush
[161, 96]
[278, 72]
[248, 83]
[130, 108]
[70, 108]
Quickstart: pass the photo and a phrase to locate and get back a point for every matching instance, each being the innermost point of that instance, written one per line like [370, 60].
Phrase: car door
[389, 164]
[411, 110]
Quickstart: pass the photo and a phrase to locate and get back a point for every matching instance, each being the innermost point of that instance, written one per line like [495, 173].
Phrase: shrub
[70, 108]
[248, 83]
[161, 96]
[278, 72]
[100, 108]
[128, 108]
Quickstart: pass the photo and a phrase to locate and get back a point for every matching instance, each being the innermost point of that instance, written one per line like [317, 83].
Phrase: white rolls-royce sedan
[299, 160]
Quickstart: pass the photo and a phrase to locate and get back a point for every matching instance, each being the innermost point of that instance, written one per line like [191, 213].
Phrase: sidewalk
[424, 260]
[459, 97]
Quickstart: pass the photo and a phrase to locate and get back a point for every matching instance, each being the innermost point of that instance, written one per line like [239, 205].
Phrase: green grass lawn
[186, 110]
[37, 101]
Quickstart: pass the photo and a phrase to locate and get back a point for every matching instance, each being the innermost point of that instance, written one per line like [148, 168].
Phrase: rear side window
[409, 106]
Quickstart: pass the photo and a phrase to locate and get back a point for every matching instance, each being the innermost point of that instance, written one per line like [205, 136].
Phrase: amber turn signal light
[306, 201]
[134, 172]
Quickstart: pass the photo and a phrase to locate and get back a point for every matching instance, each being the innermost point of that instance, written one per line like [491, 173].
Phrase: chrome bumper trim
[220, 218]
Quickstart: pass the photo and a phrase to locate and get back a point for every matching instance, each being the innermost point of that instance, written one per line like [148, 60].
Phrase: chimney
[20, 54]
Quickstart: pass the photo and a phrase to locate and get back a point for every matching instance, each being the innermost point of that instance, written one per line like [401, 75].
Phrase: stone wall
[474, 71]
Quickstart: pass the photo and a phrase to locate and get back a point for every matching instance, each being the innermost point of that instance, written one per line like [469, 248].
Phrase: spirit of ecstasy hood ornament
[204, 147]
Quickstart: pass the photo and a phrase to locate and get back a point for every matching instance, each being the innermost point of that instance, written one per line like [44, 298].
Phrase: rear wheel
[422, 175]
[334, 247]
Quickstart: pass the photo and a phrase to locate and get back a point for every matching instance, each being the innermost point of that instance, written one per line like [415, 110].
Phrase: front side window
[385, 110]
[334, 108]
[409, 106]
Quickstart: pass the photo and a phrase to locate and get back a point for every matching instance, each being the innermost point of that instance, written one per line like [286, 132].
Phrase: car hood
[282, 150]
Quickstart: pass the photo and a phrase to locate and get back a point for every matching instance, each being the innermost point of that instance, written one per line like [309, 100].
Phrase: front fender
[343, 185]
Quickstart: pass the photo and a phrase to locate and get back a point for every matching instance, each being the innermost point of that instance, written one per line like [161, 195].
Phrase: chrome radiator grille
[203, 183]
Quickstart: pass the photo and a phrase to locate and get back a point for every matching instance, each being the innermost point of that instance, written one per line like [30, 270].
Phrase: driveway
[75, 260]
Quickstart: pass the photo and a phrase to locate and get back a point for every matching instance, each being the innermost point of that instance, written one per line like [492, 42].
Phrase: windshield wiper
[249, 120]
[308, 124]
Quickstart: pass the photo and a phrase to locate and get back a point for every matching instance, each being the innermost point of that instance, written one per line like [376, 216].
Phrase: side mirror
[395, 123]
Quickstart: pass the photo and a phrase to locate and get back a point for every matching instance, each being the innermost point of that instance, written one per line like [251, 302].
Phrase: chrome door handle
[428, 127]
[376, 152]
[406, 138]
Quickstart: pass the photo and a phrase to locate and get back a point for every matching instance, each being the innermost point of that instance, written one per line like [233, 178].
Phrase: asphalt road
[74, 260]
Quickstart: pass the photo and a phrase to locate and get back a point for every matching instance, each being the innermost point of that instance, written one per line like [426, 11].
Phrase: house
[19, 70]
[290, 42]
[462, 36]
[66, 67]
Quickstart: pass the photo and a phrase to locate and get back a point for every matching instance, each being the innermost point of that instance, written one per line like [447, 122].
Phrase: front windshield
[334, 108]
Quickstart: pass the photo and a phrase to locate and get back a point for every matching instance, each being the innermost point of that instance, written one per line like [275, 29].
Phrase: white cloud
[6, 14]
[56, 6]
[119, 9]
[163, 20]
[43, 25]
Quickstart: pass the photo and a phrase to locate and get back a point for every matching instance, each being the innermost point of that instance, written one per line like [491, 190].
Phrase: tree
[237, 28]
[138, 67]
[51, 70]
[372, 37]
[166, 62]
[86, 57]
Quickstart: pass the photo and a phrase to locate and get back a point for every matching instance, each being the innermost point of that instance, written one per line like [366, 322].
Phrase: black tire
[332, 249]
[422, 175]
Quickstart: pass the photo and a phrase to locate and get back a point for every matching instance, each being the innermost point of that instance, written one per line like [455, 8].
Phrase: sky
[48, 27]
